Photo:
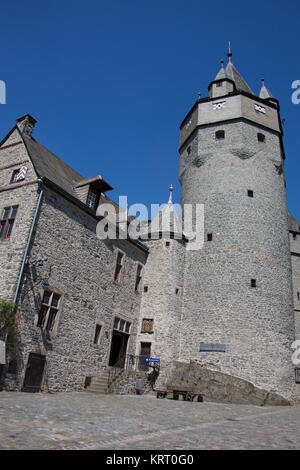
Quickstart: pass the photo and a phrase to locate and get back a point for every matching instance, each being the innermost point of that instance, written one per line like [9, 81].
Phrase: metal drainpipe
[40, 181]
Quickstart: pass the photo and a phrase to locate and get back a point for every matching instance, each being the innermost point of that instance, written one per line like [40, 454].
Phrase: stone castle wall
[250, 241]
[81, 269]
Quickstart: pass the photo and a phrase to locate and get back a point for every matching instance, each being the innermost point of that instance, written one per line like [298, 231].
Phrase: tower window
[219, 84]
[189, 149]
[220, 135]
[261, 137]
[145, 288]
[298, 295]
[209, 237]
[167, 244]
[250, 193]
[253, 282]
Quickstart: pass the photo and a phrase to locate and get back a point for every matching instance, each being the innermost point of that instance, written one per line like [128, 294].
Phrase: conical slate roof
[165, 223]
[264, 92]
[231, 73]
[221, 74]
[234, 75]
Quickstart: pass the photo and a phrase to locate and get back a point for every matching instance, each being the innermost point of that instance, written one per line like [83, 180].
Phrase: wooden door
[34, 373]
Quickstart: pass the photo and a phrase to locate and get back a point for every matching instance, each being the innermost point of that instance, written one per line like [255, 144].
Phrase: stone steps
[99, 384]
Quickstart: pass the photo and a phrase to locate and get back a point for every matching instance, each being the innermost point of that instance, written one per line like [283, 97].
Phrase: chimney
[26, 124]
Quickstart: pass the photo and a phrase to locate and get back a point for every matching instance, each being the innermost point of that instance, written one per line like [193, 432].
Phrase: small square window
[250, 193]
[145, 288]
[253, 282]
[261, 137]
[167, 244]
[220, 135]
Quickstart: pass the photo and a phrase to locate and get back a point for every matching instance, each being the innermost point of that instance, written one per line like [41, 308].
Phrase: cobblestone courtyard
[89, 421]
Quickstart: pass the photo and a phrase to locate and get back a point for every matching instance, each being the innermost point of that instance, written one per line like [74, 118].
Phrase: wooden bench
[185, 394]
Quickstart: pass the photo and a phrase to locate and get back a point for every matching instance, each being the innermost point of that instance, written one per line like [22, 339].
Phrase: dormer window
[93, 199]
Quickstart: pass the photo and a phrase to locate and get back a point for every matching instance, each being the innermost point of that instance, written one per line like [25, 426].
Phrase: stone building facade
[232, 306]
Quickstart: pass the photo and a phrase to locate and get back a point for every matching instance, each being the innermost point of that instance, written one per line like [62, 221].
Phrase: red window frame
[7, 221]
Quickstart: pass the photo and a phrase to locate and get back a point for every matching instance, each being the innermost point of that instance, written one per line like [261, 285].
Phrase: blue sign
[152, 359]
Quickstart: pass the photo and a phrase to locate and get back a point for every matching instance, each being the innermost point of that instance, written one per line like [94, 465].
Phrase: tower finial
[171, 189]
[229, 51]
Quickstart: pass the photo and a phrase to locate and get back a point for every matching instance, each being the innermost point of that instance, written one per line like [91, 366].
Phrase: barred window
[93, 199]
[49, 310]
[7, 221]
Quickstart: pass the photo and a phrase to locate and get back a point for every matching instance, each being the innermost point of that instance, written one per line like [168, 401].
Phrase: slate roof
[50, 166]
[231, 73]
[235, 76]
[293, 224]
[264, 92]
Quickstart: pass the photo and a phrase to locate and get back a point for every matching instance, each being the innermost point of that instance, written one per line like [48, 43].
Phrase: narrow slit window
[138, 279]
[145, 288]
[119, 265]
[209, 237]
[97, 334]
[253, 282]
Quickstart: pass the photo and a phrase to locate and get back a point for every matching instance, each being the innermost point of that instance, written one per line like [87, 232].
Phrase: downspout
[40, 181]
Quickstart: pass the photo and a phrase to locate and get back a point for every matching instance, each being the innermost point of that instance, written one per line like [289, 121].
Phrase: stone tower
[238, 302]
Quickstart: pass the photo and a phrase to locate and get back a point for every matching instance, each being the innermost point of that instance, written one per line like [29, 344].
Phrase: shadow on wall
[219, 387]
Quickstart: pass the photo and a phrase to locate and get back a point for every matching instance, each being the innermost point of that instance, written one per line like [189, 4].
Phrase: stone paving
[81, 420]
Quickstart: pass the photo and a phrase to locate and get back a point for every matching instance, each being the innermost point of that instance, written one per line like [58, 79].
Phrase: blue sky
[110, 82]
